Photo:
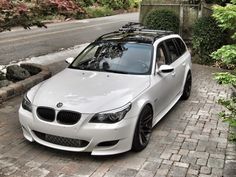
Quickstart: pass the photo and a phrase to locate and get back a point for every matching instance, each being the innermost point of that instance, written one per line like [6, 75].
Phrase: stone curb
[21, 87]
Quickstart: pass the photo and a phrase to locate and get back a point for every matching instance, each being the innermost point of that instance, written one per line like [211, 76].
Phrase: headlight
[26, 104]
[112, 116]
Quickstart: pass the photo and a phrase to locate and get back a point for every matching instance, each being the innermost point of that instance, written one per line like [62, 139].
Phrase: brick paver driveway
[189, 141]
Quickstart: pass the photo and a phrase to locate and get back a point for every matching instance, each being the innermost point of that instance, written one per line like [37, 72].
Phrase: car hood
[89, 91]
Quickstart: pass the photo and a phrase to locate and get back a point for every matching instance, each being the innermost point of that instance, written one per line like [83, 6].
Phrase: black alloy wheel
[187, 87]
[143, 129]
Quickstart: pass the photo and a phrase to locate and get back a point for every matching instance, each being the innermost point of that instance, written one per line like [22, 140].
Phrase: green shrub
[134, 3]
[117, 4]
[85, 3]
[229, 115]
[226, 17]
[17, 13]
[207, 37]
[94, 12]
[68, 8]
[162, 20]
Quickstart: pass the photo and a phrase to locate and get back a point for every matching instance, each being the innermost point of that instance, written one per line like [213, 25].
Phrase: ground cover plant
[226, 18]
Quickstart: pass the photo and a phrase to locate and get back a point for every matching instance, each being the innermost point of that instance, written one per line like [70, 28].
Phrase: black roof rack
[133, 26]
[107, 35]
[135, 29]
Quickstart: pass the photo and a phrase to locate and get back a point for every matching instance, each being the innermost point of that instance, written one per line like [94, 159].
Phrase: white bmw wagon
[112, 94]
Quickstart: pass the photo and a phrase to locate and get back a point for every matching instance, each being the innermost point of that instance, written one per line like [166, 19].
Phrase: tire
[187, 87]
[143, 129]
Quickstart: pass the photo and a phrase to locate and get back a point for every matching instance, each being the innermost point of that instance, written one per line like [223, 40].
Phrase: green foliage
[94, 12]
[162, 20]
[207, 37]
[134, 3]
[85, 3]
[67, 8]
[232, 137]
[225, 78]
[115, 4]
[14, 13]
[226, 54]
[226, 17]
[112, 4]
[230, 115]
[28, 13]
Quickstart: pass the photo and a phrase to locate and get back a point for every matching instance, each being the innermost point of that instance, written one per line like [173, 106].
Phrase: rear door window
[172, 50]
[181, 46]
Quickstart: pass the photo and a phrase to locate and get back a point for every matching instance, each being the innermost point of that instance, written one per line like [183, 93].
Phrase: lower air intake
[62, 141]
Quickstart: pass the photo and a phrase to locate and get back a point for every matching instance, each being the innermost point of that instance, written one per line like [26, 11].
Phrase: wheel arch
[142, 108]
[141, 104]
[185, 76]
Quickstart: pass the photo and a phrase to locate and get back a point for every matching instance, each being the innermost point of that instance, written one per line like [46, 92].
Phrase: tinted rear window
[173, 51]
[181, 46]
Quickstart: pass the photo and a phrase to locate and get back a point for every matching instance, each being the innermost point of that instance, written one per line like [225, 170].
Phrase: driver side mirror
[70, 60]
[166, 69]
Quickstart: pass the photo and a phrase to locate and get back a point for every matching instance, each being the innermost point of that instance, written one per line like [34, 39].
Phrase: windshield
[125, 58]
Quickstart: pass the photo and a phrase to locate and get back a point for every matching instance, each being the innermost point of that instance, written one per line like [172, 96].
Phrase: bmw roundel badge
[59, 105]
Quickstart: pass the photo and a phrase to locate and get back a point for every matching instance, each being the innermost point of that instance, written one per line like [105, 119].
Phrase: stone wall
[187, 13]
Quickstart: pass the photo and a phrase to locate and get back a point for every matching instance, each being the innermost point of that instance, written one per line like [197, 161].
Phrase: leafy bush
[134, 3]
[207, 37]
[229, 116]
[93, 11]
[118, 4]
[226, 55]
[85, 3]
[17, 14]
[226, 17]
[225, 78]
[63, 7]
[27, 13]
[162, 20]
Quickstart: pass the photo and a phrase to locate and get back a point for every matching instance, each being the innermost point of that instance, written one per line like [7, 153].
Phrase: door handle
[184, 64]
[173, 73]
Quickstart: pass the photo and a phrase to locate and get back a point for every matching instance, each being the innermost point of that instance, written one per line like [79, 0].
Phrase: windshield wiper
[119, 72]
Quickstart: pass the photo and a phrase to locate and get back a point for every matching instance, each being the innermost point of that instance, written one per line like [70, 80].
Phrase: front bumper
[93, 133]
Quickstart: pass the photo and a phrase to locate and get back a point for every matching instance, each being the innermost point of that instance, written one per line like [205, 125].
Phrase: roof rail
[134, 27]
[105, 35]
